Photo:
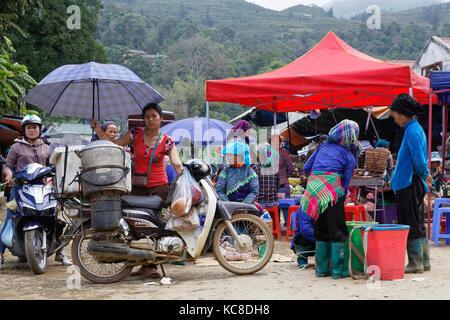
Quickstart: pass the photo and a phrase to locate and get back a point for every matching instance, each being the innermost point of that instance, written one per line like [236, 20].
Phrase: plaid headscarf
[345, 134]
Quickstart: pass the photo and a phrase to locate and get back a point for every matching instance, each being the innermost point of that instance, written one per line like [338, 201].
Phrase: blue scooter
[35, 219]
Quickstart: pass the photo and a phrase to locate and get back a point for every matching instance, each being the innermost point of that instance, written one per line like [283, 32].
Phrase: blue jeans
[9, 213]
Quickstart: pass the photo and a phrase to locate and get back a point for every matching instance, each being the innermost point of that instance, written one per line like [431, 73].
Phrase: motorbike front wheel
[36, 256]
[251, 253]
[93, 269]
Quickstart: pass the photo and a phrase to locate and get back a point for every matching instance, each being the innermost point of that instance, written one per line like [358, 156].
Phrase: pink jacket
[23, 153]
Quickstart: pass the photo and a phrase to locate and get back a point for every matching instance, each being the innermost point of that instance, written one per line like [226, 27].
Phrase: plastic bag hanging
[182, 196]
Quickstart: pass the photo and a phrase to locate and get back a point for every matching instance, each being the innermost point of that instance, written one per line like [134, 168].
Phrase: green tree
[52, 44]
[14, 79]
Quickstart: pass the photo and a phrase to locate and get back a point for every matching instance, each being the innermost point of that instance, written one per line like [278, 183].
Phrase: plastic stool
[437, 214]
[274, 214]
[289, 232]
[355, 213]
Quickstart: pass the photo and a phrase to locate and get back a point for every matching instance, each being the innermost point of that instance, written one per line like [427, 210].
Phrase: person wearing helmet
[30, 149]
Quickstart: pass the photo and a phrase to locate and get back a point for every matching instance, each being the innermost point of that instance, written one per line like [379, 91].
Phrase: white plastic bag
[187, 222]
[182, 196]
[229, 252]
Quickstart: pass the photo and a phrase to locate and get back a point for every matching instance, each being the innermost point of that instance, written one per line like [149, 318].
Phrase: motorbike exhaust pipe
[110, 251]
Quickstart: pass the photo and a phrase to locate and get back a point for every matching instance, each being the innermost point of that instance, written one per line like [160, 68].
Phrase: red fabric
[143, 154]
[331, 75]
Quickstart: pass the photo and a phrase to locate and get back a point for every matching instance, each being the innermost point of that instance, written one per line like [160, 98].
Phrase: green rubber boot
[323, 252]
[337, 260]
[302, 255]
[415, 256]
[426, 254]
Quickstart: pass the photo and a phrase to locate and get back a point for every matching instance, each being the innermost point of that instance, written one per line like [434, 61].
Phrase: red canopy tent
[330, 75]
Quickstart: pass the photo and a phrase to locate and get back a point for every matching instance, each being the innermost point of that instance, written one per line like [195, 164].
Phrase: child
[303, 243]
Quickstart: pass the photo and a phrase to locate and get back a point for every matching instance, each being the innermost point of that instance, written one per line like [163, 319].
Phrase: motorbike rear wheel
[94, 270]
[36, 257]
[258, 245]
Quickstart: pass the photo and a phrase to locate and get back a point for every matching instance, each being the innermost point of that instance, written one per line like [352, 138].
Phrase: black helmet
[199, 168]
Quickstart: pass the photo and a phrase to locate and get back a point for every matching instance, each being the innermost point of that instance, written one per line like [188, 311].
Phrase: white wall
[436, 50]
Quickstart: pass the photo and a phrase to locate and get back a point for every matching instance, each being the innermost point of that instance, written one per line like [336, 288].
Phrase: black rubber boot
[415, 256]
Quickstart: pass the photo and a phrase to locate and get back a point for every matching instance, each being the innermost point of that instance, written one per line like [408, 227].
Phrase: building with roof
[435, 56]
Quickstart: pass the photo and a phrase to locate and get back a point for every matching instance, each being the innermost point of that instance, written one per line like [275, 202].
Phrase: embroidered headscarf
[268, 155]
[345, 134]
[238, 148]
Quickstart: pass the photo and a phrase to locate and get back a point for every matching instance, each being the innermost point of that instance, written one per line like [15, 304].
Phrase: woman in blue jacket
[411, 180]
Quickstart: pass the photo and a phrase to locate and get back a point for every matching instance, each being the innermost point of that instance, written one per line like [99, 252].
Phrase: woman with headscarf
[384, 144]
[241, 132]
[237, 181]
[109, 129]
[331, 170]
[268, 177]
[411, 180]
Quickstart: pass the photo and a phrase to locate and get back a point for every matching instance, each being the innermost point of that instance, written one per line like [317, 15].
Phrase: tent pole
[430, 123]
[289, 129]
[275, 116]
[374, 128]
[444, 154]
[208, 133]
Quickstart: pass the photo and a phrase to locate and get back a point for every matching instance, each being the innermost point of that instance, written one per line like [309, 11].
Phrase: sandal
[147, 271]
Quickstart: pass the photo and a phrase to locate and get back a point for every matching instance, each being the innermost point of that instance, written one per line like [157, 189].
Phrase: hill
[350, 8]
[212, 39]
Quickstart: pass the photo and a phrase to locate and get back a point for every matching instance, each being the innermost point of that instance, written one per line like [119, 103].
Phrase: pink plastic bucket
[386, 248]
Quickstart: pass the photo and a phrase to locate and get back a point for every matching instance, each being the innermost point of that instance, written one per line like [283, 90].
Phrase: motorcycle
[242, 243]
[35, 217]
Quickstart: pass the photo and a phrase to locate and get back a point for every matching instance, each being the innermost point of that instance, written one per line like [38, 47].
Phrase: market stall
[332, 75]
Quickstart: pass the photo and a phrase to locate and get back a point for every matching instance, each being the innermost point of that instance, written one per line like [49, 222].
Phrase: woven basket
[376, 160]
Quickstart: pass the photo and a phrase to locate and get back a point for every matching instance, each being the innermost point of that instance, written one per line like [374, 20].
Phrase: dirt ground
[277, 281]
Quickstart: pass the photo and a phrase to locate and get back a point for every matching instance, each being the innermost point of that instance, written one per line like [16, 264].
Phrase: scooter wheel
[36, 257]
[253, 250]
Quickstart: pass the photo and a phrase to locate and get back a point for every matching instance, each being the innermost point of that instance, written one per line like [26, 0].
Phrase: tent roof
[440, 80]
[330, 75]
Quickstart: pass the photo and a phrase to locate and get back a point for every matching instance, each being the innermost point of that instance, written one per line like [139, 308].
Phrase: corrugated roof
[446, 40]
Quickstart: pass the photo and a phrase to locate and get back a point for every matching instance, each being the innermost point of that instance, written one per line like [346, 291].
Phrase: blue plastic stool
[437, 214]
[285, 204]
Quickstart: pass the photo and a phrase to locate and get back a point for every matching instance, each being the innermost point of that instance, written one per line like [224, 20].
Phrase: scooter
[242, 243]
[35, 217]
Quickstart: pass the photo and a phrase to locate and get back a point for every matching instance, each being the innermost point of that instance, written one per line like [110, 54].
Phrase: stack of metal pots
[104, 180]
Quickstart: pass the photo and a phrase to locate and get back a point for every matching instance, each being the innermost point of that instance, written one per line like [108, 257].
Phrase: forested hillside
[176, 45]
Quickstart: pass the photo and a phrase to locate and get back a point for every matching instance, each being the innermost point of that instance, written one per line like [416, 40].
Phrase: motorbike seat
[149, 202]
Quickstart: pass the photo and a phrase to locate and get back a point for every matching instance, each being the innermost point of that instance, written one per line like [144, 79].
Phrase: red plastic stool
[289, 232]
[443, 224]
[273, 211]
[355, 213]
